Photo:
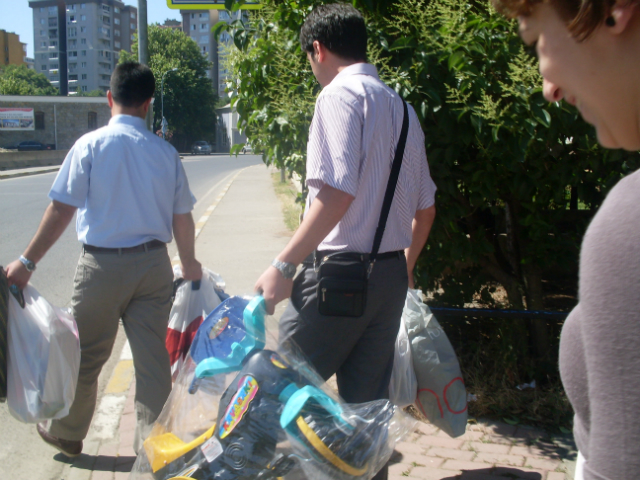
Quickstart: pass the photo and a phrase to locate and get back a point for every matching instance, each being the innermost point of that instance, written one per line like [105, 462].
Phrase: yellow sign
[209, 5]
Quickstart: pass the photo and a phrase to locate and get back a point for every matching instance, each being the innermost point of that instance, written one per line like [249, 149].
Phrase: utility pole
[143, 47]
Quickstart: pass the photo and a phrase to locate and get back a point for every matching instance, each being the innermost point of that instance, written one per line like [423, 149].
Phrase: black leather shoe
[70, 448]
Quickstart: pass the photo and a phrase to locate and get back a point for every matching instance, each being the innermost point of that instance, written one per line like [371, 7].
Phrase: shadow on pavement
[99, 463]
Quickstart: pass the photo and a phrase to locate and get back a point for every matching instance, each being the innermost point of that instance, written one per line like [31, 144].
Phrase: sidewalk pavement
[238, 237]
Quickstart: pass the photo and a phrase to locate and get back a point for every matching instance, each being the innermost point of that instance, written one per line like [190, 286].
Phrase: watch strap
[288, 270]
[28, 264]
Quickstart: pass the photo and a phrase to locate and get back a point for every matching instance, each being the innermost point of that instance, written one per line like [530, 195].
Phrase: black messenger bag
[343, 276]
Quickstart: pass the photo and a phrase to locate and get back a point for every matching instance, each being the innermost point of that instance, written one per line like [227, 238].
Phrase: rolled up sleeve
[71, 185]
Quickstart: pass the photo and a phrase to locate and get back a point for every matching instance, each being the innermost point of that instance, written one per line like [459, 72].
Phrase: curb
[15, 173]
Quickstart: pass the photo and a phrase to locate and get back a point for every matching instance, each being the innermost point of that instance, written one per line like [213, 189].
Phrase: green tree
[189, 98]
[20, 80]
[518, 178]
[93, 93]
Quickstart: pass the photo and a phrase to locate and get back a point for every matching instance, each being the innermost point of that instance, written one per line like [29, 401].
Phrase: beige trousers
[134, 287]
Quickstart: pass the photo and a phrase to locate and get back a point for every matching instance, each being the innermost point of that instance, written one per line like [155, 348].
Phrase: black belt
[143, 247]
[319, 254]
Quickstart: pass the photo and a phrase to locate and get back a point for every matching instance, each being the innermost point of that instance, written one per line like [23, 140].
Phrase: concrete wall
[70, 123]
[11, 160]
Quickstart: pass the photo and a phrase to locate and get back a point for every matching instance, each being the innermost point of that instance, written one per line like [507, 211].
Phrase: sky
[17, 17]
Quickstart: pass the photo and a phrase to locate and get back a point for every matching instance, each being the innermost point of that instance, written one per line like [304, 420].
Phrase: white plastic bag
[403, 386]
[44, 359]
[190, 308]
[442, 396]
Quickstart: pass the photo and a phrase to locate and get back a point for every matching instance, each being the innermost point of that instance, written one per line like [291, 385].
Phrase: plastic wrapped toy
[274, 415]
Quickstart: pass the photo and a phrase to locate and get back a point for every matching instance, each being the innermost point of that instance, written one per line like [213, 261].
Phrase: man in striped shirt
[352, 141]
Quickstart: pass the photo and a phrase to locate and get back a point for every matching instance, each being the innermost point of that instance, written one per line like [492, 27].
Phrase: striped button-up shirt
[352, 141]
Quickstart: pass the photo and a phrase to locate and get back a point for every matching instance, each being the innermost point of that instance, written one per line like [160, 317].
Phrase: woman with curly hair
[589, 55]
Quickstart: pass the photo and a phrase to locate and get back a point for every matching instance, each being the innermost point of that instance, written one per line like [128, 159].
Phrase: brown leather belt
[143, 247]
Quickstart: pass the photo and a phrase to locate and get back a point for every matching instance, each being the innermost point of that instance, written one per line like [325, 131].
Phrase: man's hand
[17, 274]
[274, 288]
[192, 270]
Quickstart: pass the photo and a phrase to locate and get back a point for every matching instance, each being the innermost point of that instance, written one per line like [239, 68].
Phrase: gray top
[600, 342]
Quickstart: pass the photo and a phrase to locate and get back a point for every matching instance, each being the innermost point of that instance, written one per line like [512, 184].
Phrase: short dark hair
[337, 26]
[132, 84]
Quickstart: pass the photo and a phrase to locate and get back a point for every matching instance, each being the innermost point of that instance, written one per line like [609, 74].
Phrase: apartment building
[12, 50]
[77, 43]
[197, 24]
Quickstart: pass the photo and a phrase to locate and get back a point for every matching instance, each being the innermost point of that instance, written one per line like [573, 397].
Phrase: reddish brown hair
[582, 16]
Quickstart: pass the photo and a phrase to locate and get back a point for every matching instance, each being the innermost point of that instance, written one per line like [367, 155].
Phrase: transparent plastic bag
[442, 396]
[44, 359]
[239, 412]
[193, 301]
[403, 386]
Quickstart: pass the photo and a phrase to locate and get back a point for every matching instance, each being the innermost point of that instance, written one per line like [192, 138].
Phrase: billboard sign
[16, 119]
[208, 4]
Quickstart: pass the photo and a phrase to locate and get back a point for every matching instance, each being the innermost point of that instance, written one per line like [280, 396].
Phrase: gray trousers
[358, 350]
[134, 287]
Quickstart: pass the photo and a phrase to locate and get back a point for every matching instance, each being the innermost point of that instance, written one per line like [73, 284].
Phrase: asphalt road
[23, 200]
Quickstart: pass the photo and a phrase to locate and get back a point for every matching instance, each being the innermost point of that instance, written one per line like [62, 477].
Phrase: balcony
[54, 71]
[73, 82]
[55, 83]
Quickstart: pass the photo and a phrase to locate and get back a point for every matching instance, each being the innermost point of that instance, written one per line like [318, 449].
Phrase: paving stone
[455, 454]
[427, 429]
[398, 469]
[542, 463]
[421, 460]
[434, 474]
[500, 440]
[462, 465]
[97, 475]
[406, 447]
[440, 442]
[501, 458]
[488, 447]
[471, 436]
[556, 476]
[499, 428]
[550, 451]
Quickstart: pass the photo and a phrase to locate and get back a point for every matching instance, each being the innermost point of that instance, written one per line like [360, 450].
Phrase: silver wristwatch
[288, 270]
[28, 264]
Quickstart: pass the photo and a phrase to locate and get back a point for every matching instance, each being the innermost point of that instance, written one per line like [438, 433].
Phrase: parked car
[200, 148]
[30, 145]
[247, 148]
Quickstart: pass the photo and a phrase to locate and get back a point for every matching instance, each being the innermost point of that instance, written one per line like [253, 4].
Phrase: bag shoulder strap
[391, 186]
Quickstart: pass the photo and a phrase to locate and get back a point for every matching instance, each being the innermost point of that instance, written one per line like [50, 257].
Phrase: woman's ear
[622, 13]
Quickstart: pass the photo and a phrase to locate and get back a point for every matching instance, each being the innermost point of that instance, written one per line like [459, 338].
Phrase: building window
[83, 5]
[43, 67]
[84, 76]
[73, 77]
[204, 26]
[73, 31]
[133, 37]
[72, 66]
[204, 49]
[54, 43]
[83, 53]
[53, 22]
[83, 65]
[106, 8]
[204, 39]
[105, 31]
[53, 55]
[116, 33]
[72, 18]
[54, 68]
[92, 120]
[83, 17]
[41, 9]
[116, 10]
[39, 120]
[71, 8]
[72, 54]
[43, 44]
[133, 15]
[53, 10]
[84, 88]
[116, 21]
[43, 32]
[193, 27]
[117, 44]
[83, 41]
[133, 26]
[72, 43]
[83, 29]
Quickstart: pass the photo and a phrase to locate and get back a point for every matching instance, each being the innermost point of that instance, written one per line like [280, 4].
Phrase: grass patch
[287, 194]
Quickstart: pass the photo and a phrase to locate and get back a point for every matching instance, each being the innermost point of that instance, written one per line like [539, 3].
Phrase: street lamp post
[162, 98]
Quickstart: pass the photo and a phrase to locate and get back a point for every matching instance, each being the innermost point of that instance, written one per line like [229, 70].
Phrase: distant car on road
[200, 148]
[247, 148]
[31, 145]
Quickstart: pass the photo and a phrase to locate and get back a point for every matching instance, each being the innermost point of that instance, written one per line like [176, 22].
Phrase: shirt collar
[128, 120]
[358, 69]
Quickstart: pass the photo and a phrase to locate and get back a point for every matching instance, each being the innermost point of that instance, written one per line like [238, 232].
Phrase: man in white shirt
[130, 191]
[352, 140]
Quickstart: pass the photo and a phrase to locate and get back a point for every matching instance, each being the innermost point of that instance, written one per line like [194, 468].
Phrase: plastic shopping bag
[403, 386]
[239, 411]
[192, 303]
[44, 359]
[442, 396]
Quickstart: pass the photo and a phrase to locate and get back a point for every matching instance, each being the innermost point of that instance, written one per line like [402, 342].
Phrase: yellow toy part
[163, 449]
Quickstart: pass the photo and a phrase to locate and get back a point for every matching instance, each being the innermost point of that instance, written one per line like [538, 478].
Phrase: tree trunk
[539, 328]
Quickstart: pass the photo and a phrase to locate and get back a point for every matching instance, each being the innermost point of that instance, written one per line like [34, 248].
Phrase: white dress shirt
[126, 183]
[352, 142]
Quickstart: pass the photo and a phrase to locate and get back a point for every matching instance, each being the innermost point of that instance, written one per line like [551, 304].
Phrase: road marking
[204, 218]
